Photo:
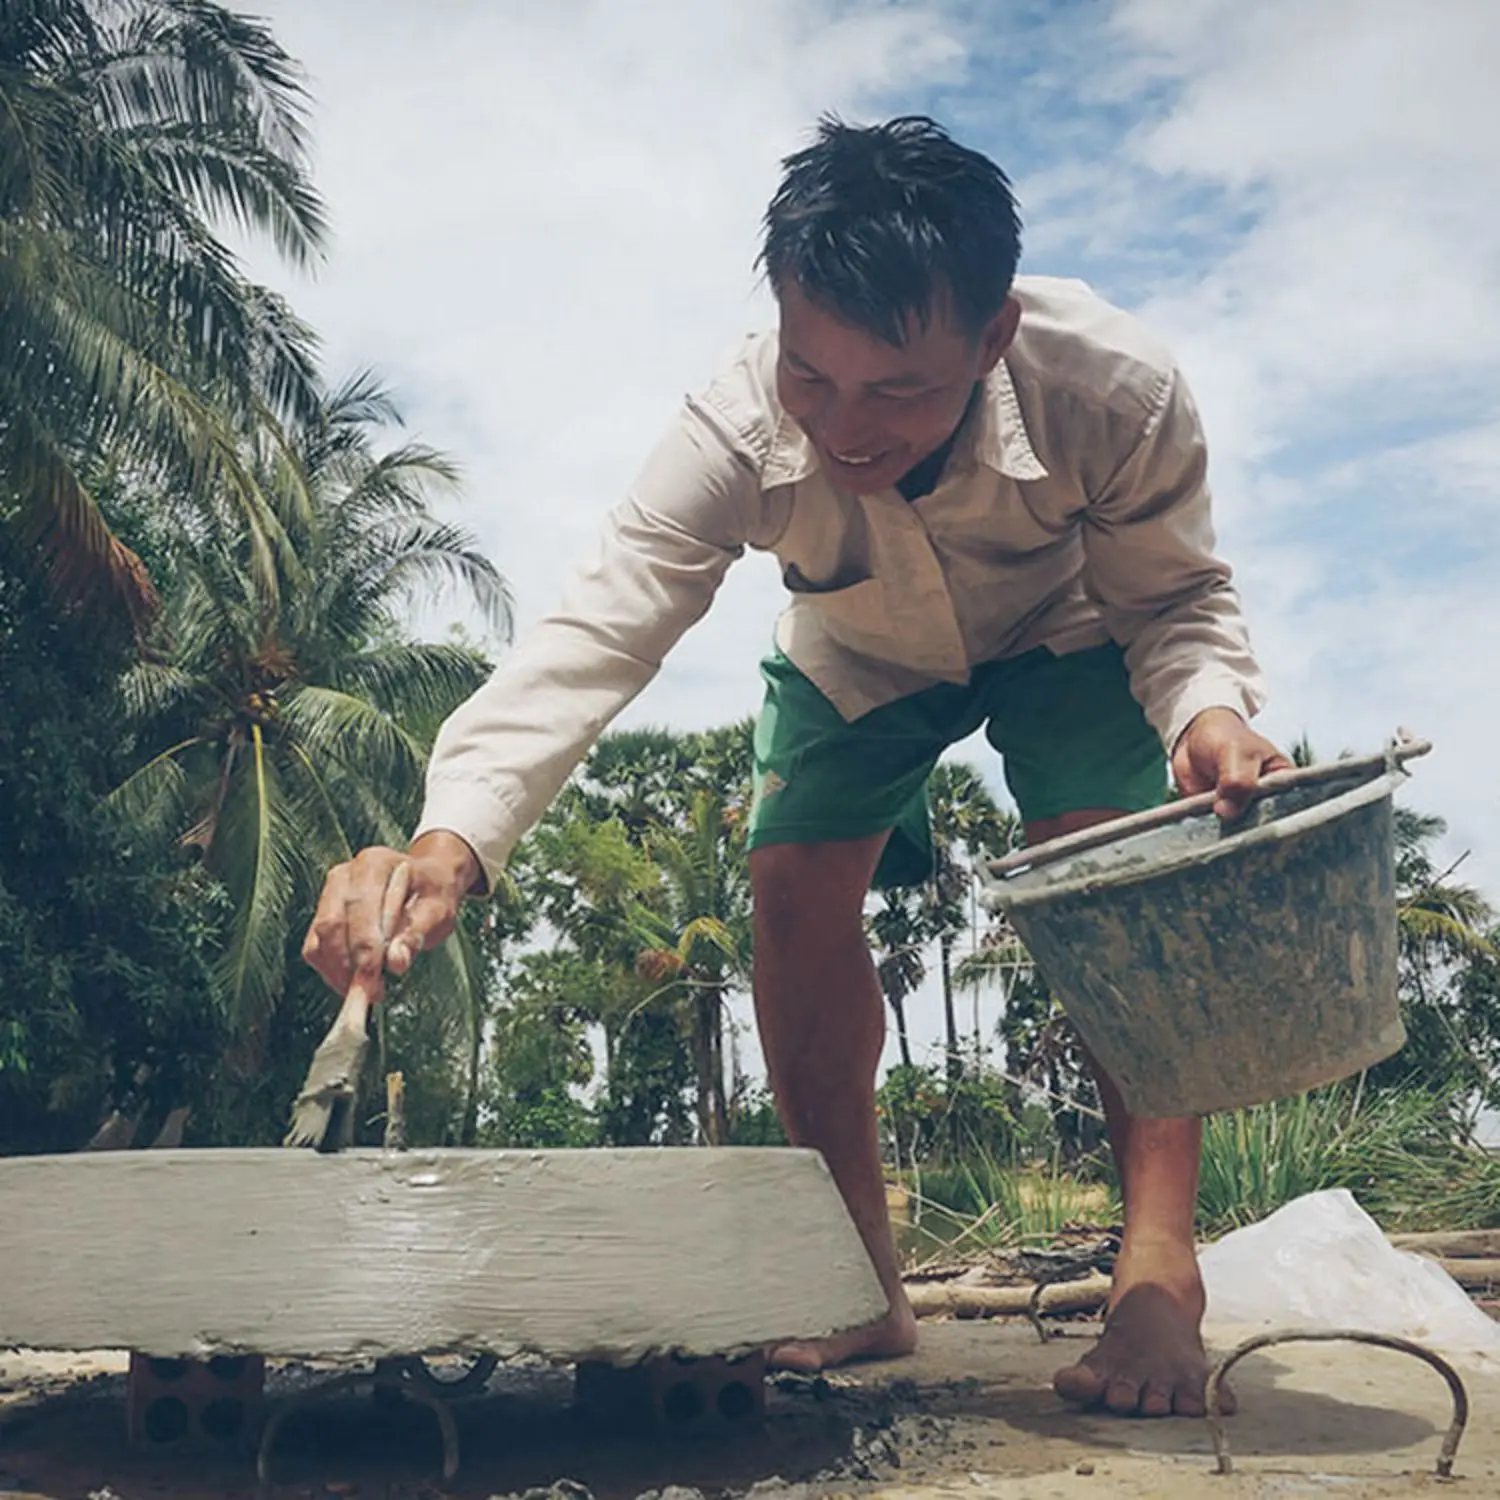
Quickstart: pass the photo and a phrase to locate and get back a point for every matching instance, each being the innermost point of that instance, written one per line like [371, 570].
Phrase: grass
[1399, 1153]
[984, 1204]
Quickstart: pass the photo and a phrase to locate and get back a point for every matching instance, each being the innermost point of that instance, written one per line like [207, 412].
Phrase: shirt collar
[999, 441]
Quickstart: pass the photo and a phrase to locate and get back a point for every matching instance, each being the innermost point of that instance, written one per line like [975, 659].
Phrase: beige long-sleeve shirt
[1072, 510]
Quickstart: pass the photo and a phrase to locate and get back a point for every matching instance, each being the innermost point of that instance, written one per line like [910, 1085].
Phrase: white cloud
[545, 222]
[545, 219]
[1344, 352]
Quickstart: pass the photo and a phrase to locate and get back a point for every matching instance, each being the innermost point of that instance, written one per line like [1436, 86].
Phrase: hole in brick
[169, 1369]
[166, 1419]
[736, 1401]
[224, 1418]
[227, 1367]
[682, 1402]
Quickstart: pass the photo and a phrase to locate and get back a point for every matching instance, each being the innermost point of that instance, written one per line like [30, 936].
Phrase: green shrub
[1402, 1153]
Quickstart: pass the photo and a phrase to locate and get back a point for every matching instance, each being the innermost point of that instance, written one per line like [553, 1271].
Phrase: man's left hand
[1219, 752]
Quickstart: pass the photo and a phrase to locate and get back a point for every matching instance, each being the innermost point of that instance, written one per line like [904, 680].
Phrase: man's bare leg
[1150, 1361]
[822, 1025]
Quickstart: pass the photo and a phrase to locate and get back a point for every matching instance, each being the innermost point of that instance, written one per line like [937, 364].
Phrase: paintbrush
[323, 1115]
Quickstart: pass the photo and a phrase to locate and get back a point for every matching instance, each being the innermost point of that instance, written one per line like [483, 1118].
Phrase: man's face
[872, 410]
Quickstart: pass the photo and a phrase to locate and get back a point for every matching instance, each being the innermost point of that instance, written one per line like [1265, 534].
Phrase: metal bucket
[1209, 968]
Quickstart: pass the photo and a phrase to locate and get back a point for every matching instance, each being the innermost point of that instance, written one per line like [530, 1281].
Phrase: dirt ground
[970, 1416]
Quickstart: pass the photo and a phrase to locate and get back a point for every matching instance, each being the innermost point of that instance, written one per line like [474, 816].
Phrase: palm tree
[130, 132]
[697, 939]
[637, 776]
[640, 869]
[281, 728]
[899, 938]
[1441, 920]
[967, 824]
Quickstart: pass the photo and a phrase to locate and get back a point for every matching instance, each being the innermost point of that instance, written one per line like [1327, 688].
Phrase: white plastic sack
[1322, 1262]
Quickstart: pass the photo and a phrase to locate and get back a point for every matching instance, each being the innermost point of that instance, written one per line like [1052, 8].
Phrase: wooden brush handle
[1401, 749]
[363, 996]
[359, 1000]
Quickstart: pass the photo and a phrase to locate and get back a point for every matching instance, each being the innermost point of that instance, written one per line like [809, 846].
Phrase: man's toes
[1156, 1399]
[1123, 1397]
[1188, 1402]
[1228, 1404]
[803, 1359]
[1080, 1383]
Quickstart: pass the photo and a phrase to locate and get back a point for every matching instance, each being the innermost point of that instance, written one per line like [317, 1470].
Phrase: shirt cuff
[483, 820]
[1214, 691]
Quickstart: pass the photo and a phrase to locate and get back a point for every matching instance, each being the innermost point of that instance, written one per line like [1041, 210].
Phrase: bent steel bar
[380, 1378]
[1213, 1394]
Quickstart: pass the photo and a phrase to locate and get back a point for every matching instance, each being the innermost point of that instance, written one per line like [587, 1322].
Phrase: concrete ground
[969, 1416]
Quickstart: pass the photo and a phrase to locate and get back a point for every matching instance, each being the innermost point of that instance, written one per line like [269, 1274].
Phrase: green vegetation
[984, 1203]
[212, 556]
[1401, 1152]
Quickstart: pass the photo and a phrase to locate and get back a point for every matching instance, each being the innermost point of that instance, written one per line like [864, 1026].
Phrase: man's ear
[998, 334]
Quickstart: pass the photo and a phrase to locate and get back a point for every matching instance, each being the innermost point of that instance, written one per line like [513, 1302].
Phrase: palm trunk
[950, 1017]
[469, 1130]
[955, 1063]
[716, 1063]
[708, 1062]
[903, 1040]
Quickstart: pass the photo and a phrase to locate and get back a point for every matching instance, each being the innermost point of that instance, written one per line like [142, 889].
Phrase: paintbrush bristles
[323, 1114]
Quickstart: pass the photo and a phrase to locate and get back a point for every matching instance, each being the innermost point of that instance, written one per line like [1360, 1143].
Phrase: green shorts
[1069, 732]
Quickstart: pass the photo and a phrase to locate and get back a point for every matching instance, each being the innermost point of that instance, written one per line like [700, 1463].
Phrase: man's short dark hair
[876, 224]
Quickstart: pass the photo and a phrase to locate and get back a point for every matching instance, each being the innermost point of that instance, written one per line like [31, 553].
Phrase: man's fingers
[394, 900]
[1239, 770]
[367, 923]
[426, 921]
[326, 946]
[376, 913]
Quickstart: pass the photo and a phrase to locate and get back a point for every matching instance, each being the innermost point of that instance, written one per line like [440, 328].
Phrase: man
[987, 497]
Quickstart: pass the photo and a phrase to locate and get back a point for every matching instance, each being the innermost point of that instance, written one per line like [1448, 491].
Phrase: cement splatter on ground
[969, 1416]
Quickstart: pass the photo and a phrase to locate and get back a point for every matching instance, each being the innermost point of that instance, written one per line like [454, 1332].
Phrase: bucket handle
[1401, 748]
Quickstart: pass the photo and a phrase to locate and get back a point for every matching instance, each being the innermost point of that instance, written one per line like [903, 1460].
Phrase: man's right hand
[346, 939]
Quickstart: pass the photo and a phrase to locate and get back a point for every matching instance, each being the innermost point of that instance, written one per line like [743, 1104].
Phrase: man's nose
[846, 425]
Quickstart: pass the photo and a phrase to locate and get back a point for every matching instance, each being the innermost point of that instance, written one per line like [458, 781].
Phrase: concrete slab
[612, 1255]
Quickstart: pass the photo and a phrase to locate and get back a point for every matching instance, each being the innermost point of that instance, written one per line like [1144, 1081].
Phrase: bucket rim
[1029, 887]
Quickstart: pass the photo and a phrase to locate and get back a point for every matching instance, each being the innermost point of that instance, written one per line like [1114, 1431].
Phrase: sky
[545, 222]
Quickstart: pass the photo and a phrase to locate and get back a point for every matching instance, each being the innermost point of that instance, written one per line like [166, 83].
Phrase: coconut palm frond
[709, 933]
[433, 560]
[127, 331]
[339, 727]
[420, 682]
[152, 690]
[1447, 928]
[83, 561]
[159, 797]
[257, 854]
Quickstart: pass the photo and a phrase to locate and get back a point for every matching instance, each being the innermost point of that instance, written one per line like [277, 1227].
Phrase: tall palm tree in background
[967, 825]
[131, 131]
[696, 939]
[640, 871]
[899, 936]
[281, 727]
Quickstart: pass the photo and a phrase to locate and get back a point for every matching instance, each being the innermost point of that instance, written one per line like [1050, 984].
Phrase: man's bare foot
[892, 1336]
[1150, 1361]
